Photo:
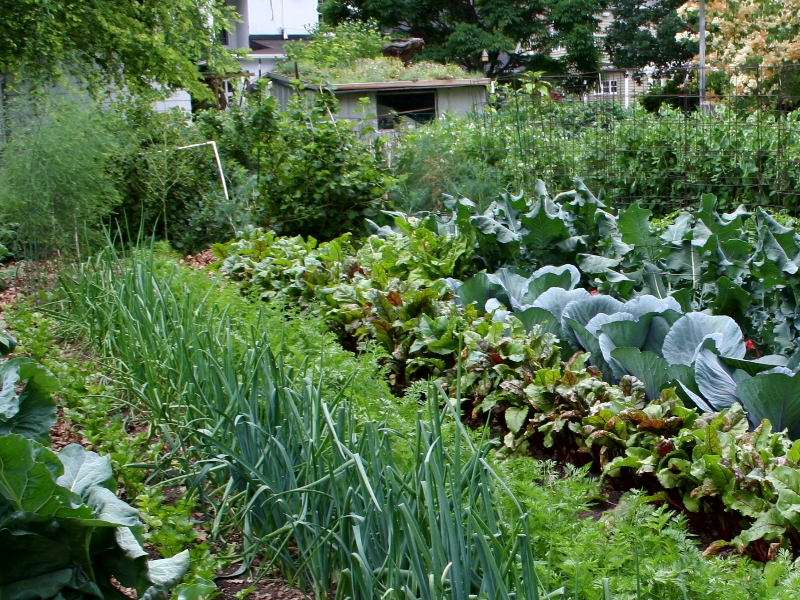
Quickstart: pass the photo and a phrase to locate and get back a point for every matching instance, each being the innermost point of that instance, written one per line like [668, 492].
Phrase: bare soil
[266, 589]
[64, 433]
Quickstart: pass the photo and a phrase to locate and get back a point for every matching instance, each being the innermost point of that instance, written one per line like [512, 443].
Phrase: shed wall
[350, 109]
[460, 100]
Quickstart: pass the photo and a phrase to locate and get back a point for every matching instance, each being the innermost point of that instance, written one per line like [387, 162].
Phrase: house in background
[611, 83]
[265, 27]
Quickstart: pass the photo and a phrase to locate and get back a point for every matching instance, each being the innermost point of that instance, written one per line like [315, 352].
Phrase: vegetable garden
[643, 371]
[526, 396]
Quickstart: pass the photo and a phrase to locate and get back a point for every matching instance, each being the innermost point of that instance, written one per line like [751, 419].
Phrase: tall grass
[314, 492]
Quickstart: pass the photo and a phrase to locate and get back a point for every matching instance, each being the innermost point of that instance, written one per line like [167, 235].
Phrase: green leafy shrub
[286, 269]
[317, 176]
[341, 45]
[452, 156]
[171, 193]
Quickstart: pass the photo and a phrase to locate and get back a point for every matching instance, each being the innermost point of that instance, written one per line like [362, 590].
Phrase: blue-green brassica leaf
[687, 335]
[773, 396]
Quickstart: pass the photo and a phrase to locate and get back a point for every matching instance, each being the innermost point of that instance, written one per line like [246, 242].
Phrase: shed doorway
[409, 107]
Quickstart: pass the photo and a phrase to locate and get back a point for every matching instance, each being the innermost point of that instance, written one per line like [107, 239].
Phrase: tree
[136, 44]
[644, 33]
[527, 31]
[750, 33]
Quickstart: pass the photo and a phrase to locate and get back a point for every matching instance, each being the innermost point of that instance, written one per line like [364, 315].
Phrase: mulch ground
[64, 433]
[266, 589]
[201, 260]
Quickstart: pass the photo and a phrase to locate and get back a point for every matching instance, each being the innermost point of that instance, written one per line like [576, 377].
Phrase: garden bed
[660, 331]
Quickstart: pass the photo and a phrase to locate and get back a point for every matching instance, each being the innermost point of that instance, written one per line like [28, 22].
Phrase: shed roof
[379, 86]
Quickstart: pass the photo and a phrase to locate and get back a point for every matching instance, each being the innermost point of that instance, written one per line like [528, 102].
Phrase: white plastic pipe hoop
[213, 144]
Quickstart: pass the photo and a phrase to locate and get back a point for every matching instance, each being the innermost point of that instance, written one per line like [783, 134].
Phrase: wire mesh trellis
[743, 145]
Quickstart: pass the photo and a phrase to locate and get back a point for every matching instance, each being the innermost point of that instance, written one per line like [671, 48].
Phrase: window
[405, 107]
[608, 87]
[223, 37]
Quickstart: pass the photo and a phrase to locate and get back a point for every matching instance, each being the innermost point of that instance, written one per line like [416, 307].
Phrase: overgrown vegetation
[493, 338]
[304, 172]
[69, 169]
[368, 430]
[351, 53]
[664, 159]
[149, 50]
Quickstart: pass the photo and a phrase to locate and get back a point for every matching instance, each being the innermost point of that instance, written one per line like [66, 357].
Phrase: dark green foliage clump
[299, 172]
[316, 176]
[643, 33]
[171, 193]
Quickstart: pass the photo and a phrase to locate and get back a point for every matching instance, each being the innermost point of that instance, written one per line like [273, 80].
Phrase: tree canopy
[749, 33]
[524, 31]
[137, 44]
[644, 33]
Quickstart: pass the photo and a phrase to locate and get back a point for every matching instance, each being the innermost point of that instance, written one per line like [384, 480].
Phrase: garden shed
[393, 102]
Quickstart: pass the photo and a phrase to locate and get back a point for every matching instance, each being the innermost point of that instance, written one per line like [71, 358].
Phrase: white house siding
[288, 18]
[180, 99]
[239, 33]
[258, 66]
